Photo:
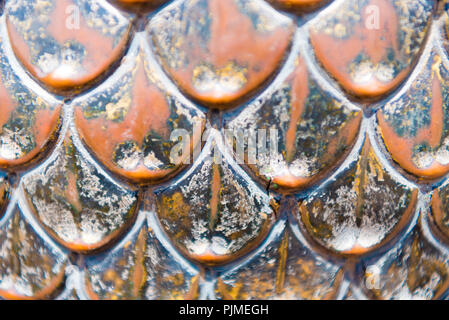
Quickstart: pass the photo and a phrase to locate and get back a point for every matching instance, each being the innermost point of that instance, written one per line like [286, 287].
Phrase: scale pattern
[353, 203]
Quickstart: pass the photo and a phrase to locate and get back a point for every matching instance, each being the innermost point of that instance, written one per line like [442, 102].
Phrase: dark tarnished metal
[140, 268]
[284, 269]
[361, 209]
[213, 214]
[31, 267]
[413, 269]
[314, 130]
[76, 203]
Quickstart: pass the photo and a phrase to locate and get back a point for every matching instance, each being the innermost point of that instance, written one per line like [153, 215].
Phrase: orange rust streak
[280, 273]
[435, 131]
[300, 91]
[71, 192]
[214, 201]
[139, 269]
[194, 286]
[437, 208]
[210, 258]
[292, 182]
[7, 105]
[357, 249]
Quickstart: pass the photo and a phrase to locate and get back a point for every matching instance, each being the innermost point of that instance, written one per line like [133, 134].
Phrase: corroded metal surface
[62, 53]
[313, 165]
[218, 51]
[373, 56]
[134, 115]
[215, 213]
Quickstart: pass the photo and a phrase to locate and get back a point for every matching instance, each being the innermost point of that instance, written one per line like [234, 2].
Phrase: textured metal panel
[314, 159]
